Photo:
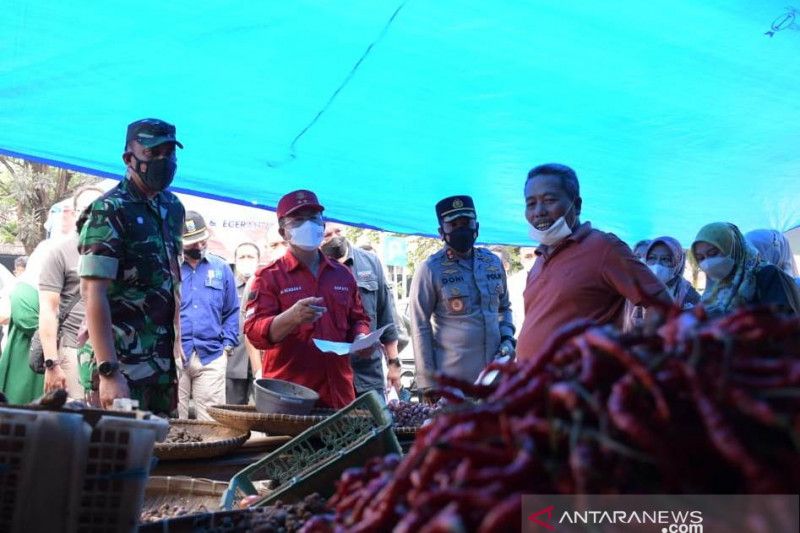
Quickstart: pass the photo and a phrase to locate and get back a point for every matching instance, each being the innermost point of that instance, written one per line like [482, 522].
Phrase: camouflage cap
[150, 132]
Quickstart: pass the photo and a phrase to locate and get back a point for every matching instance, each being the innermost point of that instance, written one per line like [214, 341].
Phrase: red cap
[295, 200]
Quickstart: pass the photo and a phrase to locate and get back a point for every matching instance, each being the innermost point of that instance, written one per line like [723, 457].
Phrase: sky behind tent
[674, 113]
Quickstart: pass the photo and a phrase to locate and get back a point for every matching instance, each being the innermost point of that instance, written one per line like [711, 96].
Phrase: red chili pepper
[503, 517]
[601, 341]
[724, 439]
[543, 357]
[514, 473]
[480, 453]
[564, 394]
[628, 423]
[753, 407]
[448, 520]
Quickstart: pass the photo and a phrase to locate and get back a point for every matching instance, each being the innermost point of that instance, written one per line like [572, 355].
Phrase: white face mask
[307, 236]
[555, 233]
[717, 268]
[246, 268]
[664, 274]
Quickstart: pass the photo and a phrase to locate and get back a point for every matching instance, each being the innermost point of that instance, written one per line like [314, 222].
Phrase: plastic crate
[315, 459]
[40, 452]
[64, 471]
[117, 465]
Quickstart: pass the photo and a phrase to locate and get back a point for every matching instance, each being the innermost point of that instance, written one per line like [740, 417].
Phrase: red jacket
[275, 289]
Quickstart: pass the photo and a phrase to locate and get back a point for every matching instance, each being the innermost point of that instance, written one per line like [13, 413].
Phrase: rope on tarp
[292, 147]
[784, 22]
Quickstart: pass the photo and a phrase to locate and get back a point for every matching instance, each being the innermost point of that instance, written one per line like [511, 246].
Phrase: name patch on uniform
[290, 289]
[494, 276]
[364, 274]
[341, 288]
[452, 279]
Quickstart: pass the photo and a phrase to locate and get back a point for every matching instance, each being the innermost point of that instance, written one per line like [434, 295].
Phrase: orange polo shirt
[589, 274]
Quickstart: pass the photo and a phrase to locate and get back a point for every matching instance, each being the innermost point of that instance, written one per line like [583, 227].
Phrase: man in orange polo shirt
[302, 296]
[580, 272]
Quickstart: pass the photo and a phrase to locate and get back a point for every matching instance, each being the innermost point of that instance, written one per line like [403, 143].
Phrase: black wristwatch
[50, 363]
[394, 362]
[108, 368]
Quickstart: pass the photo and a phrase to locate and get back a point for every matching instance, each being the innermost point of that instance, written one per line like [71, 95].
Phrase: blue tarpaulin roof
[674, 113]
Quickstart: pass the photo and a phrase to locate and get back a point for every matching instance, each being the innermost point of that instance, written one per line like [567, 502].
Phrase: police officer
[460, 311]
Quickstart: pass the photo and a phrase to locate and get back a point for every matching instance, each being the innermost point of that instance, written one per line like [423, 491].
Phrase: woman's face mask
[663, 273]
[717, 268]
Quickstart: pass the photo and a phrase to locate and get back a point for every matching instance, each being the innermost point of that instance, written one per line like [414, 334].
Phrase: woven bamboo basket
[217, 440]
[246, 418]
[196, 496]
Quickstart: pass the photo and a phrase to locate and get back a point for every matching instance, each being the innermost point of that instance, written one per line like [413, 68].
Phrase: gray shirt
[460, 312]
[60, 275]
[378, 303]
[239, 362]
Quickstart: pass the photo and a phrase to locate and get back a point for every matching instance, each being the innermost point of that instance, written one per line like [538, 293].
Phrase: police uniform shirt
[460, 311]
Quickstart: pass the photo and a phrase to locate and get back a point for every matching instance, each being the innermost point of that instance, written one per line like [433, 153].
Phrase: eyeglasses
[299, 220]
[663, 260]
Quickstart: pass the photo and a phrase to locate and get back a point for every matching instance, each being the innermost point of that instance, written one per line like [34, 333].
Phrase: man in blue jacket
[209, 321]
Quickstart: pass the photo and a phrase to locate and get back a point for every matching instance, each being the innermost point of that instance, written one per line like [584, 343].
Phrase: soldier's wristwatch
[50, 363]
[394, 362]
[108, 368]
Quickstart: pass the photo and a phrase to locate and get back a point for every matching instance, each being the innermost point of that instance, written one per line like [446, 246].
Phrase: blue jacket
[209, 308]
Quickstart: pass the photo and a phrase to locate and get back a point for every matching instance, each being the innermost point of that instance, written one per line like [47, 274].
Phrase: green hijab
[739, 287]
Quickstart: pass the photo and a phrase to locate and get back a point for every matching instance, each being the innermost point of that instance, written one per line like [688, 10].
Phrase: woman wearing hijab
[667, 260]
[737, 275]
[773, 247]
[634, 314]
[18, 382]
[640, 249]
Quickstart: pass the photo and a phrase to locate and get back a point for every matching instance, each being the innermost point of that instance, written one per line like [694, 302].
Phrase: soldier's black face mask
[461, 239]
[156, 174]
[335, 248]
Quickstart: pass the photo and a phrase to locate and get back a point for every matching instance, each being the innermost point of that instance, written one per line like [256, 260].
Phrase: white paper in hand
[369, 340]
[338, 348]
[346, 348]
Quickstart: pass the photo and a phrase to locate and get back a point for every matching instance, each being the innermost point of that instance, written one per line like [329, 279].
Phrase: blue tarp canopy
[674, 113]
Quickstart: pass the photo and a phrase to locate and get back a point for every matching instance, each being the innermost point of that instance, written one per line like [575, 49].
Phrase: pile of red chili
[701, 406]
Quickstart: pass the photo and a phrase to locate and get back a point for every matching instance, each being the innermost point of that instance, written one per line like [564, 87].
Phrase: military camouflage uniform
[135, 242]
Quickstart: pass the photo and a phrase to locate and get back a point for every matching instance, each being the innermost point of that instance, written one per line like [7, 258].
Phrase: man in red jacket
[302, 296]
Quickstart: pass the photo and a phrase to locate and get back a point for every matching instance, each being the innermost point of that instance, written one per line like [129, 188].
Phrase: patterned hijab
[739, 287]
[773, 247]
[677, 289]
